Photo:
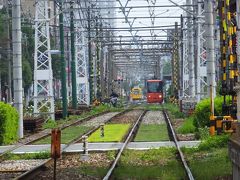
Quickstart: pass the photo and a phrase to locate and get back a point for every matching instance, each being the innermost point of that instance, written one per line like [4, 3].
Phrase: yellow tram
[136, 93]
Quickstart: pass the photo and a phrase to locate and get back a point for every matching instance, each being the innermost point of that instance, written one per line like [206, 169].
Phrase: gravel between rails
[129, 117]
[7, 176]
[153, 117]
[68, 167]
[99, 120]
[19, 165]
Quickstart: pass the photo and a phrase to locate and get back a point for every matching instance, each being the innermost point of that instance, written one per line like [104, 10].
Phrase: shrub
[49, 124]
[202, 111]
[214, 142]
[8, 124]
[202, 133]
[187, 126]
[174, 110]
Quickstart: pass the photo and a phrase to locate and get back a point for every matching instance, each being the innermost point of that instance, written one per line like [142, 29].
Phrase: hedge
[202, 111]
[8, 124]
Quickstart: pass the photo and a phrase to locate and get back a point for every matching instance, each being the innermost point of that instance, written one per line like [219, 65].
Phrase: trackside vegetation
[202, 111]
[67, 134]
[210, 159]
[26, 156]
[187, 126]
[49, 124]
[8, 124]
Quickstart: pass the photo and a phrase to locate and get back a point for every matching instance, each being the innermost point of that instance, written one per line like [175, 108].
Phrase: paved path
[101, 146]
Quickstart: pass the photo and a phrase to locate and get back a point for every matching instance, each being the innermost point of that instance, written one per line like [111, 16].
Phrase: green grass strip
[209, 165]
[151, 164]
[152, 132]
[112, 133]
[187, 126]
[27, 156]
[67, 135]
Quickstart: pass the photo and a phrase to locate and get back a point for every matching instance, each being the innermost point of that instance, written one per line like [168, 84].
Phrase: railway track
[127, 140]
[131, 134]
[44, 135]
[180, 153]
[34, 171]
[129, 137]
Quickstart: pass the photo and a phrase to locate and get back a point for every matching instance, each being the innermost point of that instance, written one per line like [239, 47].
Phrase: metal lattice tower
[185, 70]
[43, 77]
[190, 51]
[201, 86]
[82, 67]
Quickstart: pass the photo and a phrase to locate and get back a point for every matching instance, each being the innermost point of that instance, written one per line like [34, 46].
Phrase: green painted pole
[63, 65]
[73, 63]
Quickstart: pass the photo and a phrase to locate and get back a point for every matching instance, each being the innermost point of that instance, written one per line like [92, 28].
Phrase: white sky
[159, 11]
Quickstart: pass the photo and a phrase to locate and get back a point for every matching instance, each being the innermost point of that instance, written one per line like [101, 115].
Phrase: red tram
[154, 91]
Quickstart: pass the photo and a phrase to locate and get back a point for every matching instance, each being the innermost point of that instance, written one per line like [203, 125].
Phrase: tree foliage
[27, 50]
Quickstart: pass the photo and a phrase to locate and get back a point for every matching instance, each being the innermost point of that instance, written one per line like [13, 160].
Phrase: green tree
[167, 68]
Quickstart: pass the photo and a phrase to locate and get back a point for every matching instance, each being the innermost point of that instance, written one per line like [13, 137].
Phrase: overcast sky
[160, 11]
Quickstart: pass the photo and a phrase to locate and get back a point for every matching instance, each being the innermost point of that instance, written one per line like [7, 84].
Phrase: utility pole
[210, 47]
[181, 60]
[63, 64]
[9, 97]
[73, 62]
[175, 63]
[17, 62]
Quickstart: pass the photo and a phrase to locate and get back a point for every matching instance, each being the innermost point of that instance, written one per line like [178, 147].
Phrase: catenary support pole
[210, 47]
[63, 64]
[17, 62]
[73, 62]
[9, 96]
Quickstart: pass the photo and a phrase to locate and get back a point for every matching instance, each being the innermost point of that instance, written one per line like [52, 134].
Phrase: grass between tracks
[112, 133]
[152, 132]
[151, 164]
[94, 111]
[67, 135]
[40, 155]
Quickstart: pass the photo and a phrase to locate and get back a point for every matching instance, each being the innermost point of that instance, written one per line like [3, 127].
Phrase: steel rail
[35, 170]
[186, 167]
[110, 171]
[48, 134]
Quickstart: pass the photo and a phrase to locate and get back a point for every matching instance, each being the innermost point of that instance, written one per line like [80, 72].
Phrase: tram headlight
[160, 96]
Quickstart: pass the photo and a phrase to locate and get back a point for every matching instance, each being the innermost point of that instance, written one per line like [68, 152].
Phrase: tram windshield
[154, 87]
